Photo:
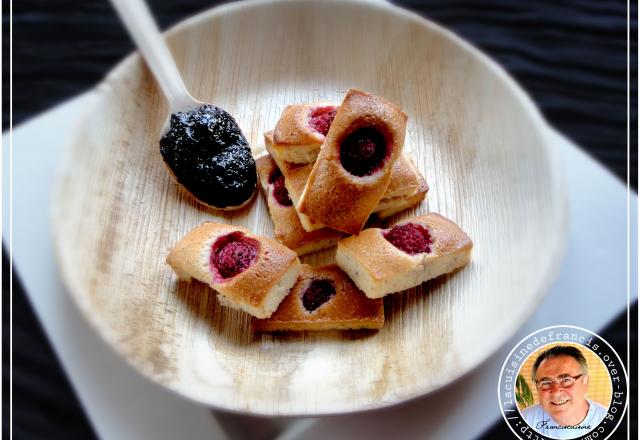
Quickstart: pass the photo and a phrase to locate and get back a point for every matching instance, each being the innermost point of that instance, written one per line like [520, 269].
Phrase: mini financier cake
[324, 298]
[353, 169]
[301, 130]
[390, 206]
[249, 272]
[287, 227]
[295, 178]
[406, 188]
[382, 261]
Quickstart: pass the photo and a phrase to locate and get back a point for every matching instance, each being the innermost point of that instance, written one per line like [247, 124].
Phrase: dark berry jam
[410, 238]
[280, 192]
[233, 253]
[210, 156]
[318, 293]
[363, 152]
[322, 118]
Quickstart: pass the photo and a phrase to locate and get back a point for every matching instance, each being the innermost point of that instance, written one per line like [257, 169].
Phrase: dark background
[570, 56]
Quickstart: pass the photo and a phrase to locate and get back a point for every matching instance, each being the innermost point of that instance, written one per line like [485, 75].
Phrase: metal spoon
[200, 143]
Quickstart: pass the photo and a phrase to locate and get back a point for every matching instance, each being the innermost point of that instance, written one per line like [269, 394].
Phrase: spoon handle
[145, 33]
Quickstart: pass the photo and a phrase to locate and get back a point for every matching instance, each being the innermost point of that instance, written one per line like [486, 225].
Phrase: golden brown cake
[249, 272]
[301, 130]
[407, 186]
[324, 298]
[295, 178]
[383, 261]
[353, 169]
[295, 175]
[392, 205]
[405, 179]
[287, 227]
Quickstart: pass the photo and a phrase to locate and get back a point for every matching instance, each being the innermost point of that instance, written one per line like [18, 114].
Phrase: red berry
[280, 192]
[410, 238]
[233, 253]
[319, 292]
[322, 118]
[363, 152]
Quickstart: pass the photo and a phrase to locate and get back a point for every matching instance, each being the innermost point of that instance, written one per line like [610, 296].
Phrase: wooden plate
[475, 135]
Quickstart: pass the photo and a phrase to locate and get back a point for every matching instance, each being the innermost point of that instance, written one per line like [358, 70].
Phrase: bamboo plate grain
[477, 138]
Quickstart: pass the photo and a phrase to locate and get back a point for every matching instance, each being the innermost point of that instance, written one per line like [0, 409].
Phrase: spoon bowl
[219, 170]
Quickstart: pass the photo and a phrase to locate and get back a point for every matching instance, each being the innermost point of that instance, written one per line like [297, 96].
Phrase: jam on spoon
[210, 157]
[201, 143]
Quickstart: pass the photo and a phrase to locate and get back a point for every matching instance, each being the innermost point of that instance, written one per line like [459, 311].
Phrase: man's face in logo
[566, 405]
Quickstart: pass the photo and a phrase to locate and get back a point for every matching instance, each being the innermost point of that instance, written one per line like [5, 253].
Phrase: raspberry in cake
[319, 292]
[363, 152]
[280, 192]
[233, 253]
[410, 238]
[321, 118]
